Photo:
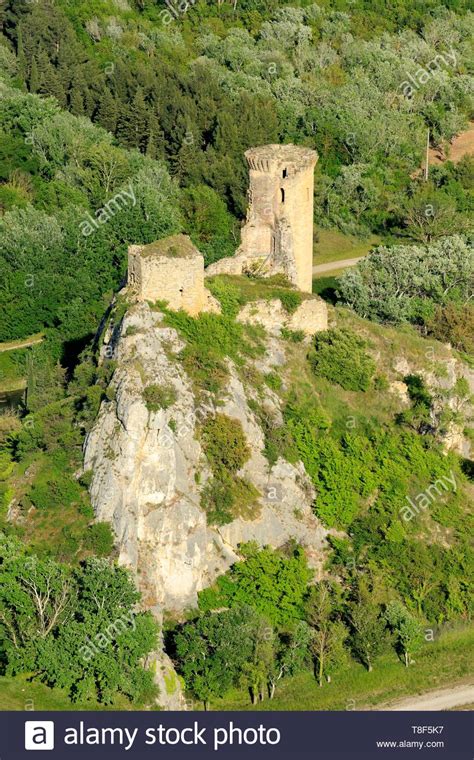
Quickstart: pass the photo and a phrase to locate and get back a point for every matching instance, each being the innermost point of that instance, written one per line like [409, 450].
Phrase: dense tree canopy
[77, 629]
[405, 283]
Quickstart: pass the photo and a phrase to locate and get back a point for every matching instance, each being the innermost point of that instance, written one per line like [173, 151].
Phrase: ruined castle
[279, 229]
[277, 237]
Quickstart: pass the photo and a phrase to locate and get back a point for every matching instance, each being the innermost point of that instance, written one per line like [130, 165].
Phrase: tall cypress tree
[107, 113]
[21, 57]
[140, 125]
[34, 83]
[154, 146]
[50, 83]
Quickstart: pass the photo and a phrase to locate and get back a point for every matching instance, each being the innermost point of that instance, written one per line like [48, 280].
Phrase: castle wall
[179, 280]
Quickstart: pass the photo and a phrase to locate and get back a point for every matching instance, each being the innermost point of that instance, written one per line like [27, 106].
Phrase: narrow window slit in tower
[285, 173]
[282, 195]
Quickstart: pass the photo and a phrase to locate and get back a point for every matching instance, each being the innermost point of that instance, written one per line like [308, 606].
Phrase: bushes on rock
[158, 397]
[226, 496]
[99, 539]
[224, 444]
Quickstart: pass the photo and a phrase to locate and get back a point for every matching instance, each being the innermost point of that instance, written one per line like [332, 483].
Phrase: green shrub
[228, 295]
[281, 579]
[381, 383]
[226, 497]
[224, 443]
[273, 381]
[339, 356]
[407, 283]
[295, 336]
[290, 300]
[110, 393]
[99, 539]
[418, 392]
[158, 397]
[210, 339]
[54, 488]
[454, 324]
[86, 478]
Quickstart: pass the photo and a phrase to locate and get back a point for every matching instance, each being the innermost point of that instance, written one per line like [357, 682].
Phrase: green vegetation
[21, 693]
[234, 292]
[407, 630]
[281, 584]
[74, 629]
[159, 397]
[268, 604]
[290, 300]
[454, 324]
[224, 443]
[295, 336]
[340, 357]
[227, 495]
[223, 78]
[210, 339]
[442, 662]
[407, 283]
[99, 539]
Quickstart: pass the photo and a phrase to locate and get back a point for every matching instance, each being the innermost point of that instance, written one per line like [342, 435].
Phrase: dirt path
[25, 343]
[332, 266]
[461, 145]
[441, 699]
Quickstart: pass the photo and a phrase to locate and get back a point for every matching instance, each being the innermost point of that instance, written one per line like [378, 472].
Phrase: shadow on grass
[326, 288]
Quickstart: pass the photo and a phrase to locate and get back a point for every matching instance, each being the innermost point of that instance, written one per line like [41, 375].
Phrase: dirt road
[460, 146]
[441, 699]
[332, 266]
[12, 345]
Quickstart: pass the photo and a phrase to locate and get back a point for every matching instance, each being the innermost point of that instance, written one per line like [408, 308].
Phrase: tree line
[267, 619]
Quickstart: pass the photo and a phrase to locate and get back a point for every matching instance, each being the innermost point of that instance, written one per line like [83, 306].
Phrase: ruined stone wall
[171, 270]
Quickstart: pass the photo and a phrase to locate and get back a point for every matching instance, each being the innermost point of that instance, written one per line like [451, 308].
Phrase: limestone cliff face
[148, 470]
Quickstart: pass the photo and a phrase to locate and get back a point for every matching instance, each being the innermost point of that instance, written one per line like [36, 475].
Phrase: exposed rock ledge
[310, 317]
[145, 473]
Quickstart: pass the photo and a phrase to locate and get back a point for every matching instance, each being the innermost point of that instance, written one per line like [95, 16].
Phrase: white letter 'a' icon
[39, 734]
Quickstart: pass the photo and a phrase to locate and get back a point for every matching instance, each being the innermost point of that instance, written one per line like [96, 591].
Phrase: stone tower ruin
[170, 270]
[280, 215]
[278, 234]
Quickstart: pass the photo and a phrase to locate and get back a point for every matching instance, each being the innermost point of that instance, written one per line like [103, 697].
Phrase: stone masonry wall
[170, 270]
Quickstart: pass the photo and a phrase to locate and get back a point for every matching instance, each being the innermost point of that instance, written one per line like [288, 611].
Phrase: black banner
[281, 736]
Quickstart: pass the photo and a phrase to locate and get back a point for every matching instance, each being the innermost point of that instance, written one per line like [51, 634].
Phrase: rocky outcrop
[148, 470]
[442, 379]
[310, 317]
